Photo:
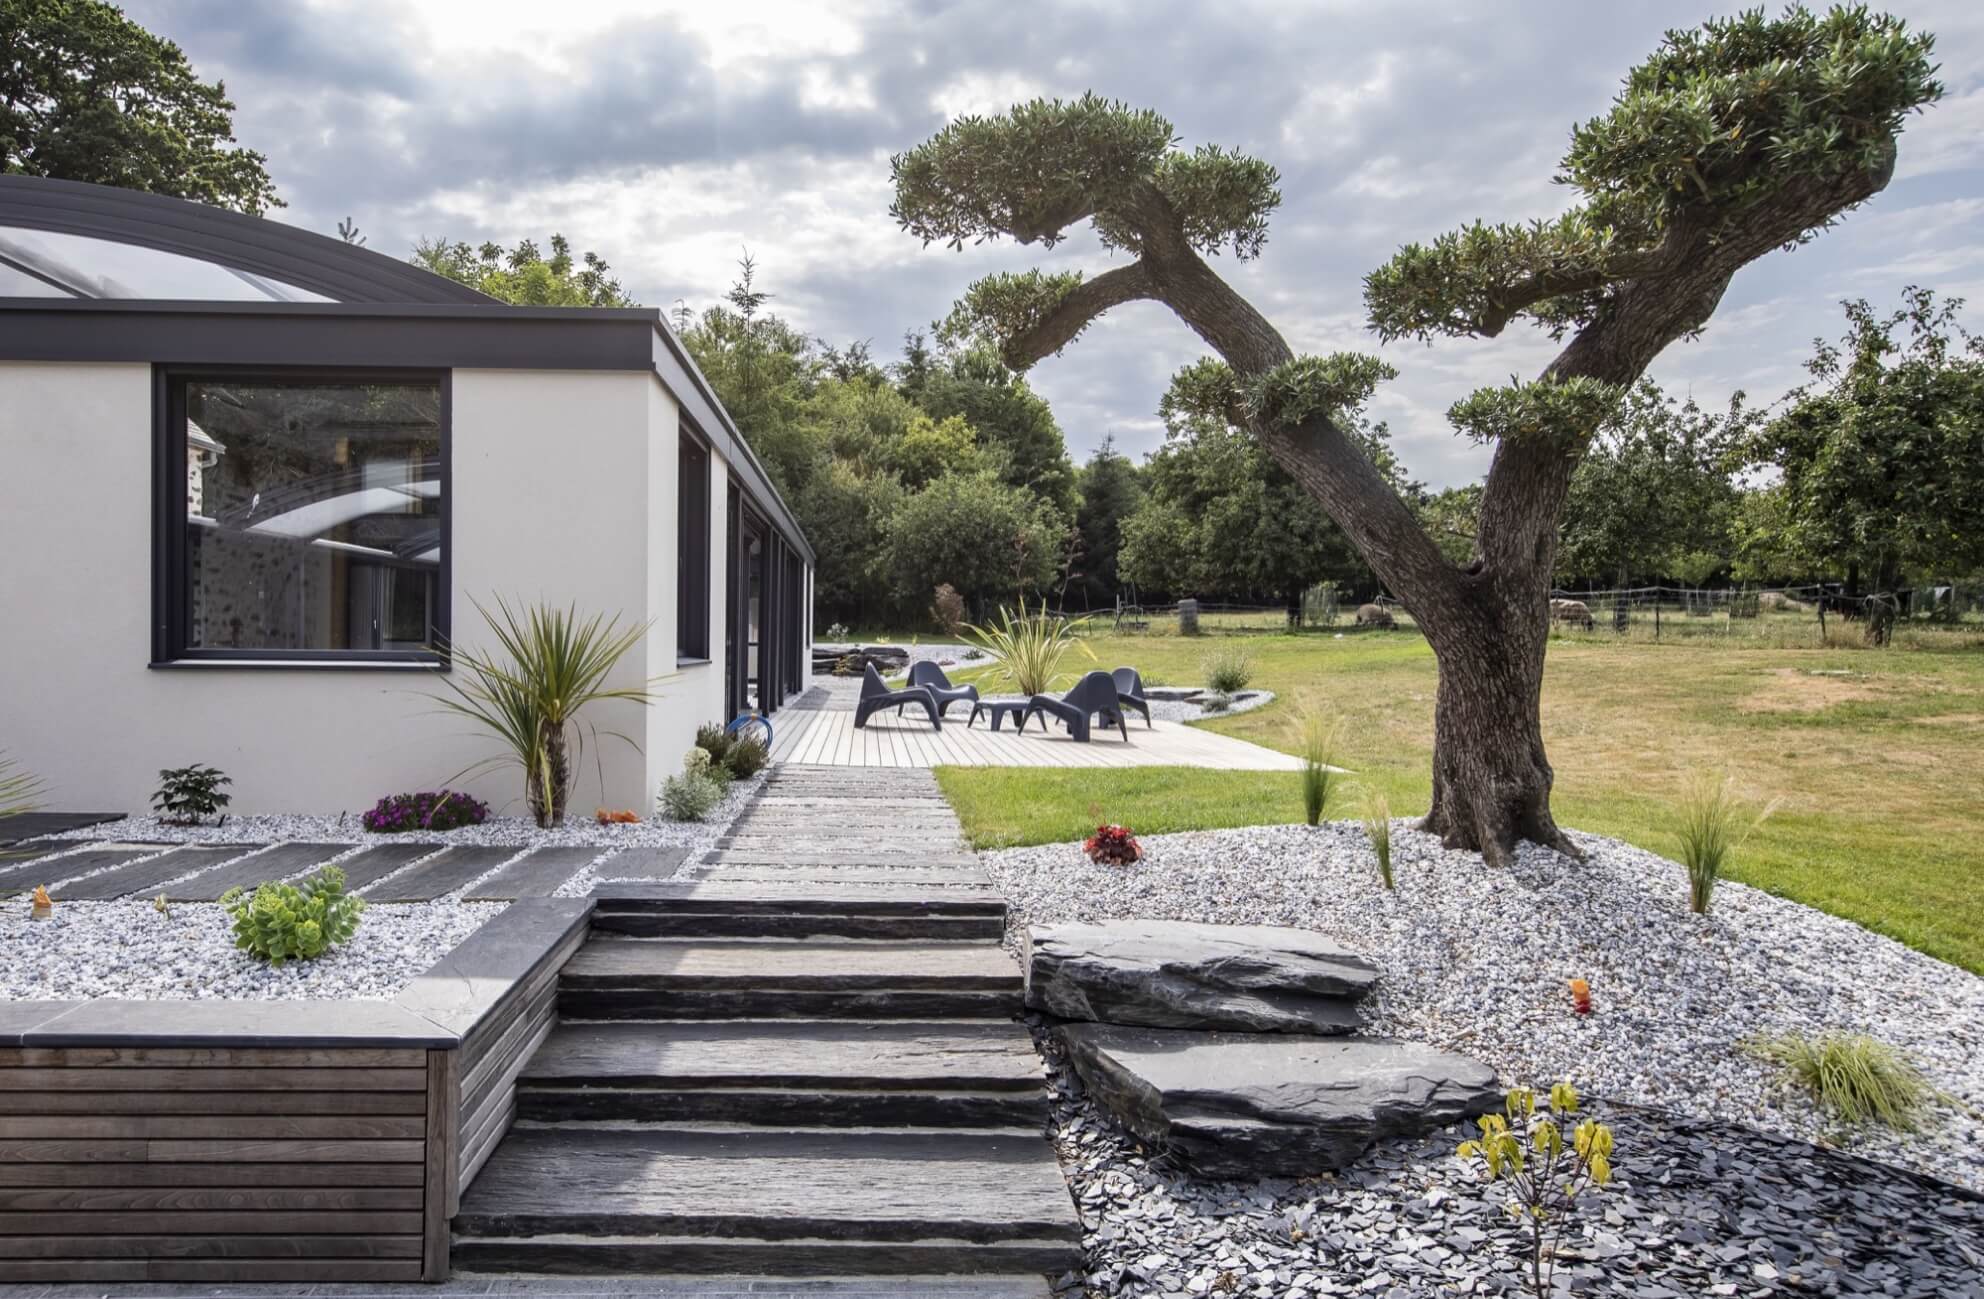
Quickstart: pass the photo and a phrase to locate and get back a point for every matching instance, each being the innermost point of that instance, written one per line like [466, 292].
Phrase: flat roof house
[254, 477]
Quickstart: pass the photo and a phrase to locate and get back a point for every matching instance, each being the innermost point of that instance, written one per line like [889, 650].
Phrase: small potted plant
[189, 795]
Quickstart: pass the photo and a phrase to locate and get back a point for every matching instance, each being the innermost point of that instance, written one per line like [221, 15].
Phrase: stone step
[650, 978]
[925, 877]
[806, 910]
[811, 856]
[768, 1201]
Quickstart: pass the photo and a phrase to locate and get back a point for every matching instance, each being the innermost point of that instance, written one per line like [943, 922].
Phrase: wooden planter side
[211, 1164]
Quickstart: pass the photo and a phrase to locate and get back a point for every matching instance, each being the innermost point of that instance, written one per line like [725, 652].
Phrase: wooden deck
[827, 737]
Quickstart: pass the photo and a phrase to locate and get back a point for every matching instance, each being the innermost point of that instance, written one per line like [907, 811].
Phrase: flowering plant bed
[428, 810]
[1113, 845]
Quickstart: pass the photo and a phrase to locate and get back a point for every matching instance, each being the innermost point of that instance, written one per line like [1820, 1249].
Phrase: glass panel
[313, 515]
[100, 268]
[19, 284]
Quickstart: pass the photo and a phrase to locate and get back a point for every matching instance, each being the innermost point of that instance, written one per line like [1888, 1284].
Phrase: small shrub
[947, 610]
[689, 797]
[747, 758]
[848, 665]
[836, 632]
[1545, 1175]
[1853, 1078]
[715, 741]
[698, 762]
[189, 795]
[1706, 827]
[1113, 845]
[429, 810]
[1228, 669]
[288, 922]
[1216, 702]
[1378, 828]
[1318, 753]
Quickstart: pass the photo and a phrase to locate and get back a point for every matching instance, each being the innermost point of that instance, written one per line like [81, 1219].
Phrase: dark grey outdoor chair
[1093, 696]
[931, 677]
[1130, 692]
[876, 696]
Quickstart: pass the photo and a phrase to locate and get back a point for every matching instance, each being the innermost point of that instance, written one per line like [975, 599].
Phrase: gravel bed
[1695, 1209]
[1187, 710]
[1477, 960]
[128, 949]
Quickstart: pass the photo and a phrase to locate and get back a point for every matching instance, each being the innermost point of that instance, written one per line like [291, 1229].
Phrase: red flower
[1113, 845]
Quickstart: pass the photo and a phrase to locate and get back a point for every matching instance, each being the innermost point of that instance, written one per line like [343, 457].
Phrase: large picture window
[303, 517]
[692, 552]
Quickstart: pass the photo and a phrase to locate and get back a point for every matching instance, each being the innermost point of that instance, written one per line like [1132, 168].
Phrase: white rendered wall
[563, 490]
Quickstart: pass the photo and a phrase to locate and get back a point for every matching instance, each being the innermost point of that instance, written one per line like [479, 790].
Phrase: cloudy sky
[670, 138]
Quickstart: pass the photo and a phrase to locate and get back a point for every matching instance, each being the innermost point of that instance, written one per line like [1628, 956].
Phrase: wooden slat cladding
[215, 1164]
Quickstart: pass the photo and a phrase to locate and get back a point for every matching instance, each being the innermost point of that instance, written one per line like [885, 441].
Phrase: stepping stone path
[281, 862]
[798, 1058]
[33, 825]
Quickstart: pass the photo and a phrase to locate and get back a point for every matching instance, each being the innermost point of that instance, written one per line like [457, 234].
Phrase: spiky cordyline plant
[20, 789]
[1029, 648]
[556, 665]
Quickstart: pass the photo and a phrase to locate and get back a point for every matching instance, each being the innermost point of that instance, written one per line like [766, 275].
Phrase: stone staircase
[800, 1062]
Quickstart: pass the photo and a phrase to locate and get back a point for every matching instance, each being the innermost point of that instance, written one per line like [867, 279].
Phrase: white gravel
[1478, 960]
[127, 949]
[1191, 710]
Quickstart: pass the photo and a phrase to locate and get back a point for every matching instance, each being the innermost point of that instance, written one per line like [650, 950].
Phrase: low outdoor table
[1014, 707]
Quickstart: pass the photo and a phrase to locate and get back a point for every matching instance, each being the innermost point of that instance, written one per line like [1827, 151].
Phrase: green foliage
[928, 449]
[1110, 489]
[1307, 387]
[20, 789]
[189, 795]
[764, 371]
[747, 758]
[548, 665]
[1028, 647]
[1012, 422]
[1525, 1152]
[947, 610]
[1228, 669]
[1653, 490]
[1317, 746]
[1882, 458]
[86, 94]
[698, 763]
[1567, 413]
[984, 537]
[1223, 196]
[1005, 304]
[1378, 829]
[1452, 517]
[714, 740]
[690, 796]
[522, 275]
[1708, 826]
[1855, 1079]
[288, 922]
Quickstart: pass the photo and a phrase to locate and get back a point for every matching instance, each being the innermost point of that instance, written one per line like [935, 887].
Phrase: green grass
[1871, 758]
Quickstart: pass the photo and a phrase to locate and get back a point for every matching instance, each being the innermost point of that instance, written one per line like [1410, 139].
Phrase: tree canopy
[523, 276]
[86, 94]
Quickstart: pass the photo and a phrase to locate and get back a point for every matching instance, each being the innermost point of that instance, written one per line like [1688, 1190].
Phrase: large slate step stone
[444, 874]
[46, 868]
[791, 897]
[657, 863]
[1249, 1105]
[34, 825]
[818, 857]
[636, 978]
[941, 877]
[146, 875]
[538, 874]
[278, 863]
[378, 862]
[1177, 974]
[970, 1189]
[648, 1255]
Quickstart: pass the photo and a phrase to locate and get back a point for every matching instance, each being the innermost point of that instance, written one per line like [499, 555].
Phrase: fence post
[1188, 617]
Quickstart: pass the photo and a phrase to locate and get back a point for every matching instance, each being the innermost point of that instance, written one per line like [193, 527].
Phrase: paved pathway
[799, 1059]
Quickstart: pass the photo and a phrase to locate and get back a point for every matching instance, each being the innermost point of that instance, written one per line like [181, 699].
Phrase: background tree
[1882, 457]
[1109, 488]
[1008, 415]
[1653, 496]
[87, 94]
[985, 537]
[1734, 139]
[523, 275]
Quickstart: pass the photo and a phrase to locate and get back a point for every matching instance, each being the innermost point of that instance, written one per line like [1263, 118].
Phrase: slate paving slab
[46, 868]
[148, 877]
[378, 862]
[535, 875]
[444, 874]
[278, 863]
[656, 863]
[129, 870]
[34, 825]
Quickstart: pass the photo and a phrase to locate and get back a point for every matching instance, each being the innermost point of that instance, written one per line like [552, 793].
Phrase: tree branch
[1076, 312]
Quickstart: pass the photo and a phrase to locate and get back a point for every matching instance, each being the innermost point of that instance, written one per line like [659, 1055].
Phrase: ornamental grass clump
[1708, 826]
[289, 922]
[442, 809]
[1378, 828]
[1526, 1152]
[1855, 1079]
[1028, 647]
[1228, 670]
[1317, 749]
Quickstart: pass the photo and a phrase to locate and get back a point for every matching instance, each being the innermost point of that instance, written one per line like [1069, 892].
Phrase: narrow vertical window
[692, 552]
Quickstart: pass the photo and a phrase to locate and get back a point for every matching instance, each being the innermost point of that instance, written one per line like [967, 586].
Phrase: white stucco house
[255, 477]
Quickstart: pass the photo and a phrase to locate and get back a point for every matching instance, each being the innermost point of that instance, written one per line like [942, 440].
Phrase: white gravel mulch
[1192, 710]
[1478, 959]
[127, 949]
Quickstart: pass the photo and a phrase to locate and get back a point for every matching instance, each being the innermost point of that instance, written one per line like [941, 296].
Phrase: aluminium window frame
[692, 588]
[170, 582]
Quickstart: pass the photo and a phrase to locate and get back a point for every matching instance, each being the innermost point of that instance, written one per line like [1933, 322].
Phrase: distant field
[1876, 757]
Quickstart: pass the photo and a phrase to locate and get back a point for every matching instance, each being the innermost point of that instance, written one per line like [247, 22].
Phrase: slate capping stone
[19, 1018]
[461, 990]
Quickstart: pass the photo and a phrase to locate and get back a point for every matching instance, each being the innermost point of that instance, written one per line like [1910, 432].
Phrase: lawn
[1872, 757]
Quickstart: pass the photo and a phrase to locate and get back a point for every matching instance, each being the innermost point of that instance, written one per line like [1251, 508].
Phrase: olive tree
[1733, 139]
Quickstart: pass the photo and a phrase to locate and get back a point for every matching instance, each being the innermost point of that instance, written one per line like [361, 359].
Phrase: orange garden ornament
[1580, 996]
[44, 906]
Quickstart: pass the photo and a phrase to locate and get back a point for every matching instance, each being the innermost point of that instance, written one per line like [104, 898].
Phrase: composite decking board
[139, 1248]
[145, 875]
[381, 860]
[901, 1185]
[656, 863]
[166, 1175]
[47, 869]
[278, 863]
[826, 1055]
[444, 874]
[210, 1102]
[536, 875]
[34, 825]
[705, 966]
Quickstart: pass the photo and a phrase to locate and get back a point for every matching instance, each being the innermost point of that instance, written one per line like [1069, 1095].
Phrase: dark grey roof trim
[257, 245]
[488, 335]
